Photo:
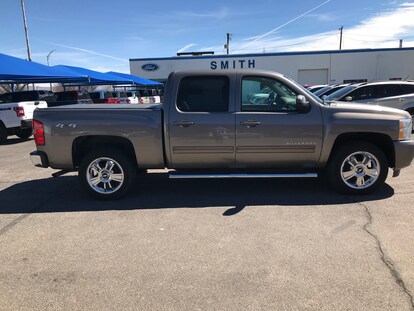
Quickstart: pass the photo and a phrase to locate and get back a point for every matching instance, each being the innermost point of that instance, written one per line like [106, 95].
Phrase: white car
[16, 118]
[148, 97]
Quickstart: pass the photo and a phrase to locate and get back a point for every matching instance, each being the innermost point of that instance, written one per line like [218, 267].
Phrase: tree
[5, 88]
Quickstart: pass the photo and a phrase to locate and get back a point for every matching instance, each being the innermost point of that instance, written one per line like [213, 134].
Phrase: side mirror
[302, 105]
[348, 98]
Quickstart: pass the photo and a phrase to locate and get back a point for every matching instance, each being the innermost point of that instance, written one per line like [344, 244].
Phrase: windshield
[338, 94]
[316, 98]
[323, 90]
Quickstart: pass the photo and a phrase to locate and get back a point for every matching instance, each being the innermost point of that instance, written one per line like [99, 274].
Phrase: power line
[285, 24]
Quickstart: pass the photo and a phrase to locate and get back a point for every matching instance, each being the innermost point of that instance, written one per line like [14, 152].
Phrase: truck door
[271, 133]
[202, 122]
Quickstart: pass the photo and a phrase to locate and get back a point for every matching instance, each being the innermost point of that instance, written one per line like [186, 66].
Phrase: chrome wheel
[360, 170]
[105, 175]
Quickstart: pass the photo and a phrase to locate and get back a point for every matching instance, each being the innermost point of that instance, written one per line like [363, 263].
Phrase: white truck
[16, 118]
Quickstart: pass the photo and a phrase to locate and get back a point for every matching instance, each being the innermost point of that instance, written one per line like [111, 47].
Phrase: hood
[368, 109]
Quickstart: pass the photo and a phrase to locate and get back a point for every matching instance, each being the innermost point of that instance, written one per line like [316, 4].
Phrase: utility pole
[227, 45]
[25, 31]
[340, 37]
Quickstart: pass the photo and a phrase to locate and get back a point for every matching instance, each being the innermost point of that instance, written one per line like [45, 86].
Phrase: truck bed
[68, 127]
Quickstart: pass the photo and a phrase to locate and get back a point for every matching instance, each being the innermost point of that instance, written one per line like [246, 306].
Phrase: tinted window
[265, 94]
[6, 98]
[407, 89]
[322, 91]
[84, 95]
[94, 95]
[339, 95]
[333, 90]
[367, 92]
[108, 95]
[25, 96]
[70, 95]
[391, 90]
[204, 93]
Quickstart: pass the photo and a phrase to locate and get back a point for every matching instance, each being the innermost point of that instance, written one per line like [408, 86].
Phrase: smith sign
[233, 64]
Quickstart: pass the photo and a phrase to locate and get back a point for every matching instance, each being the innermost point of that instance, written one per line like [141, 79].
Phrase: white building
[319, 67]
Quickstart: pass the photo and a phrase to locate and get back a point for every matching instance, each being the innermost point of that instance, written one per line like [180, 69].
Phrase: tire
[3, 134]
[107, 174]
[24, 133]
[357, 168]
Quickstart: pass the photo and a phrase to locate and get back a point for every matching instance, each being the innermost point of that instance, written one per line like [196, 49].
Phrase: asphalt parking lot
[201, 244]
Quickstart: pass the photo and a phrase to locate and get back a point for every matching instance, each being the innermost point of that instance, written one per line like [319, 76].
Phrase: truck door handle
[401, 99]
[183, 123]
[250, 123]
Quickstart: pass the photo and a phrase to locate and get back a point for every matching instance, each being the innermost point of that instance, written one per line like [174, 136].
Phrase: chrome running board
[181, 175]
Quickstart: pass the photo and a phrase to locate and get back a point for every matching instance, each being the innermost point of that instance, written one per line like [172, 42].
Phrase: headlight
[406, 126]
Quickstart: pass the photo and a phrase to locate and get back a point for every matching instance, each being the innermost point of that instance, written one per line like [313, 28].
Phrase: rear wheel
[358, 168]
[3, 134]
[107, 174]
[24, 133]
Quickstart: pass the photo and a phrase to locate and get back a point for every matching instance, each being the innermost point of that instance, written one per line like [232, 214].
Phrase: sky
[104, 35]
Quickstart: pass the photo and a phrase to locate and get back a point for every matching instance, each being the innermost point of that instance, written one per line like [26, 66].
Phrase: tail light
[112, 100]
[128, 101]
[19, 111]
[38, 133]
[141, 101]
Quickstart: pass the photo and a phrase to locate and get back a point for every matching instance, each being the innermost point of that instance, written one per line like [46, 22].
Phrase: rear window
[84, 95]
[204, 94]
[6, 98]
[94, 95]
[63, 96]
[25, 96]
[109, 95]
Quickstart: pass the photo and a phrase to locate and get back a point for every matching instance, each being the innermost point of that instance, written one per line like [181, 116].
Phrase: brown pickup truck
[238, 124]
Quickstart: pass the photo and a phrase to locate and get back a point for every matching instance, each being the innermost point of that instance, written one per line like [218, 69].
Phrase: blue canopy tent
[137, 80]
[17, 70]
[96, 77]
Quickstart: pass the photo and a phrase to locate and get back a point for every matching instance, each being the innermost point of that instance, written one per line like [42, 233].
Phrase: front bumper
[404, 153]
[39, 159]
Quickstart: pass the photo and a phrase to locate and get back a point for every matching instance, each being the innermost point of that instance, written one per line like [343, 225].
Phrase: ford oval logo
[149, 67]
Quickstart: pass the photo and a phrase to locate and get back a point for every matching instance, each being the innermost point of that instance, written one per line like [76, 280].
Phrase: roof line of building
[274, 54]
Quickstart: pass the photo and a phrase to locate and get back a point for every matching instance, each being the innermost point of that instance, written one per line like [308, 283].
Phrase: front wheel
[107, 174]
[358, 168]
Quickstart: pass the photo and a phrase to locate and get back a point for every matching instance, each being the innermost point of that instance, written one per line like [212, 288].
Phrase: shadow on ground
[15, 140]
[156, 191]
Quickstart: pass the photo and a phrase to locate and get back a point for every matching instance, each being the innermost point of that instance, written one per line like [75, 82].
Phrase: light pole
[26, 32]
[48, 56]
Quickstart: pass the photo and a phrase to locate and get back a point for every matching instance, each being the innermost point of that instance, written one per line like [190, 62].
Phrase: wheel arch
[83, 145]
[382, 141]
